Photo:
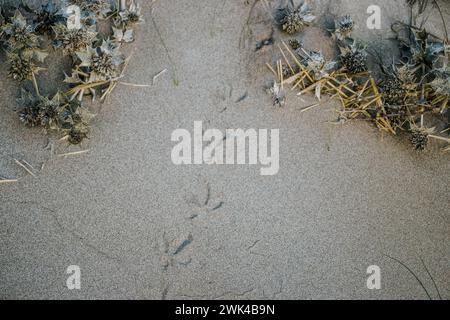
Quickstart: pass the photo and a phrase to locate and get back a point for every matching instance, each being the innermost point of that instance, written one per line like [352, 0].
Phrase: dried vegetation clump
[408, 92]
[28, 35]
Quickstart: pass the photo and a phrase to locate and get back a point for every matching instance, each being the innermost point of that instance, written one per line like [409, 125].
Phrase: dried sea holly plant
[73, 40]
[354, 58]
[97, 63]
[343, 28]
[124, 20]
[415, 85]
[95, 68]
[292, 18]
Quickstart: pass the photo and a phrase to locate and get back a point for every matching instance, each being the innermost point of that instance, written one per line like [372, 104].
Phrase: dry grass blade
[5, 181]
[24, 166]
[156, 76]
[73, 153]
[412, 273]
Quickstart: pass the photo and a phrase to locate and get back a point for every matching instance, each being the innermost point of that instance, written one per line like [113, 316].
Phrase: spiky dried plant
[343, 28]
[73, 40]
[354, 59]
[75, 120]
[38, 110]
[420, 136]
[47, 17]
[19, 34]
[124, 21]
[293, 19]
[316, 63]
[22, 66]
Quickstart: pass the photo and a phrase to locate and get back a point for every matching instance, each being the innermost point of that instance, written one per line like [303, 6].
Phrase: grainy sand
[137, 225]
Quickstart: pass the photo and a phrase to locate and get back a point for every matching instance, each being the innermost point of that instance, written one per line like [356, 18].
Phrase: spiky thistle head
[344, 27]
[292, 23]
[103, 61]
[441, 83]
[29, 112]
[73, 40]
[354, 59]
[295, 44]
[47, 17]
[293, 19]
[316, 63]
[49, 110]
[40, 110]
[129, 16]
[420, 136]
[399, 85]
[21, 67]
[393, 91]
[19, 34]
[75, 121]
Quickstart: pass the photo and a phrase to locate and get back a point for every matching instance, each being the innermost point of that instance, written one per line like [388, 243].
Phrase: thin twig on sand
[412, 273]
[158, 75]
[73, 153]
[24, 166]
[4, 181]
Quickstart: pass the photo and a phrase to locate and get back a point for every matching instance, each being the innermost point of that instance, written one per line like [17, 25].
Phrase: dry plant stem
[439, 138]
[158, 75]
[271, 69]
[113, 85]
[174, 67]
[4, 181]
[432, 279]
[297, 61]
[286, 60]
[412, 273]
[134, 85]
[73, 153]
[35, 84]
[24, 167]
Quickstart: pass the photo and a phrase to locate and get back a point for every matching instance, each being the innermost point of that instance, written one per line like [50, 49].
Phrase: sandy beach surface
[140, 227]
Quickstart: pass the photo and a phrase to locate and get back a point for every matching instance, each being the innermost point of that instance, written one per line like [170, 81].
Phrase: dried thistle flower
[21, 67]
[316, 63]
[420, 136]
[74, 119]
[295, 44]
[399, 85]
[293, 19]
[441, 83]
[29, 114]
[343, 28]
[104, 61]
[129, 16]
[47, 17]
[423, 51]
[354, 59]
[124, 21]
[73, 40]
[19, 34]
[100, 7]
[40, 110]
[393, 91]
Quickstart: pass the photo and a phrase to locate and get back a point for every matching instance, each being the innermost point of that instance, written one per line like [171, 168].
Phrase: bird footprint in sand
[204, 200]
